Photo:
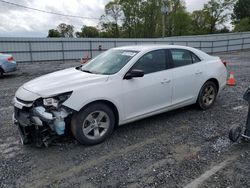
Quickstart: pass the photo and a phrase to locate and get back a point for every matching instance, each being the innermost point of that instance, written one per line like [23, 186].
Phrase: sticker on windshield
[131, 54]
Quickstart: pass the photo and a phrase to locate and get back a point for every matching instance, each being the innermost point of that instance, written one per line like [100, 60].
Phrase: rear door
[187, 76]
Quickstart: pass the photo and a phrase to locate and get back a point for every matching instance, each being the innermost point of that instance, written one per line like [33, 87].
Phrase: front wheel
[93, 124]
[207, 95]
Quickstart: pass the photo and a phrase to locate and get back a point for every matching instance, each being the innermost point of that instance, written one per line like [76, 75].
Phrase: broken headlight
[56, 100]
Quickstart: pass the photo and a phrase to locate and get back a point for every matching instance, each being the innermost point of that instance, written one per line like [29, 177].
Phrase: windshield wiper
[87, 71]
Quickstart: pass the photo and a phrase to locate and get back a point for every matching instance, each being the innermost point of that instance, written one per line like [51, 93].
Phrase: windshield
[109, 62]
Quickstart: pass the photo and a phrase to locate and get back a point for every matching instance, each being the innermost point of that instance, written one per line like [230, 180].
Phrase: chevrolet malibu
[119, 86]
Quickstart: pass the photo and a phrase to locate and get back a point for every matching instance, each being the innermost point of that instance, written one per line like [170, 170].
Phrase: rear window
[183, 57]
[195, 58]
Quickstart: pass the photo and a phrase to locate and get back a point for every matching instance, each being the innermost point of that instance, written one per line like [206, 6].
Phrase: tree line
[144, 19]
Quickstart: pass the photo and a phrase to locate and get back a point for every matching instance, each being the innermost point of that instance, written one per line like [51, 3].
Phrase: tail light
[10, 58]
[224, 63]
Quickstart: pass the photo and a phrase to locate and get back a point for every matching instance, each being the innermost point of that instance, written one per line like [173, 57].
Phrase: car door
[187, 76]
[153, 91]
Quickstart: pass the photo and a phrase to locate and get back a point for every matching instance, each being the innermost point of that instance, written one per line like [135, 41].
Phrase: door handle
[198, 72]
[165, 81]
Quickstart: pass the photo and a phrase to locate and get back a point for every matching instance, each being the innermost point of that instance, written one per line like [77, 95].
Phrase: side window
[152, 62]
[181, 57]
[195, 58]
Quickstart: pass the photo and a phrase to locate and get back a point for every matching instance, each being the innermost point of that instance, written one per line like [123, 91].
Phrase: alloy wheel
[209, 95]
[96, 124]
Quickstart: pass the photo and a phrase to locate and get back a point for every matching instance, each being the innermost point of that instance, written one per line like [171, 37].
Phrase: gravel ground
[186, 147]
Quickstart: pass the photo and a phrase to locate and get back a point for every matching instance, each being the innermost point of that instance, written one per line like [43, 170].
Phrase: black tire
[82, 121]
[234, 133]
[1, 73]
[206, 101]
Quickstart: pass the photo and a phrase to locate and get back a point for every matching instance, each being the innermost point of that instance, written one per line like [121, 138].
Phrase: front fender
[109, 91]
[87, 102]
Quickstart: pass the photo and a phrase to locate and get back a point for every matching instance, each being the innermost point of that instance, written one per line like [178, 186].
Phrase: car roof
[146, 48]
[152, 47]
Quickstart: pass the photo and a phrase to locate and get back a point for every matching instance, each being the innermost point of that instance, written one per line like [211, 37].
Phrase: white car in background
[119, 86]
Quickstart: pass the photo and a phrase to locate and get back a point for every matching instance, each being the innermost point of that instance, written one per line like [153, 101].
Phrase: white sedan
[119, 86]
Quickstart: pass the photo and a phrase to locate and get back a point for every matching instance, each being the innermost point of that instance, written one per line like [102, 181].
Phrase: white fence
[60, 49]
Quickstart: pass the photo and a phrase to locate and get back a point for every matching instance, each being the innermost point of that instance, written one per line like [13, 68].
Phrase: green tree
[243, 25]
[217, 12]
[241, 9]
[113, 11]
[142, 18]
[178, 20]
[132, 22]
[199, 23]
[241, 15]
[223, 30]
[150, 17]
[181, 23]
[88, 32]
[53, 33]
[109, 30]
[66, 31]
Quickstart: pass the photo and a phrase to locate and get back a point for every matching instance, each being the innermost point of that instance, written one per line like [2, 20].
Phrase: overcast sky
[20, 22]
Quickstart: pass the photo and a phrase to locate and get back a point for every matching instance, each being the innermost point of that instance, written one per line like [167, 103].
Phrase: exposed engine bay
[42, 121]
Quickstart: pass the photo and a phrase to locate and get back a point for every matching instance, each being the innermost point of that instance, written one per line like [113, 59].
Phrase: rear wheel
[207, 95]
[93, 124]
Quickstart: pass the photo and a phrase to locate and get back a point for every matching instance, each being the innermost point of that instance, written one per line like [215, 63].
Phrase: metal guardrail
[48, 49]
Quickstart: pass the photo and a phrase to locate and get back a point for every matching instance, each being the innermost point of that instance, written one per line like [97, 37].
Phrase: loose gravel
[168, 150]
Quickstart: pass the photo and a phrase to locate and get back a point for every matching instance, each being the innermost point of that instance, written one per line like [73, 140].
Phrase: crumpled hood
[62, 81]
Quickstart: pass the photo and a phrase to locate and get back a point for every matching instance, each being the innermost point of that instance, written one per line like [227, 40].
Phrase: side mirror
[134, 73]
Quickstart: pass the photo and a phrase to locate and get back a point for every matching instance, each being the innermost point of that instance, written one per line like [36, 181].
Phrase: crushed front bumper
[38, 125]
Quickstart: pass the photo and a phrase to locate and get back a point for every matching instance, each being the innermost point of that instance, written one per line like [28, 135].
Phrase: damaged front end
[43, 120]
